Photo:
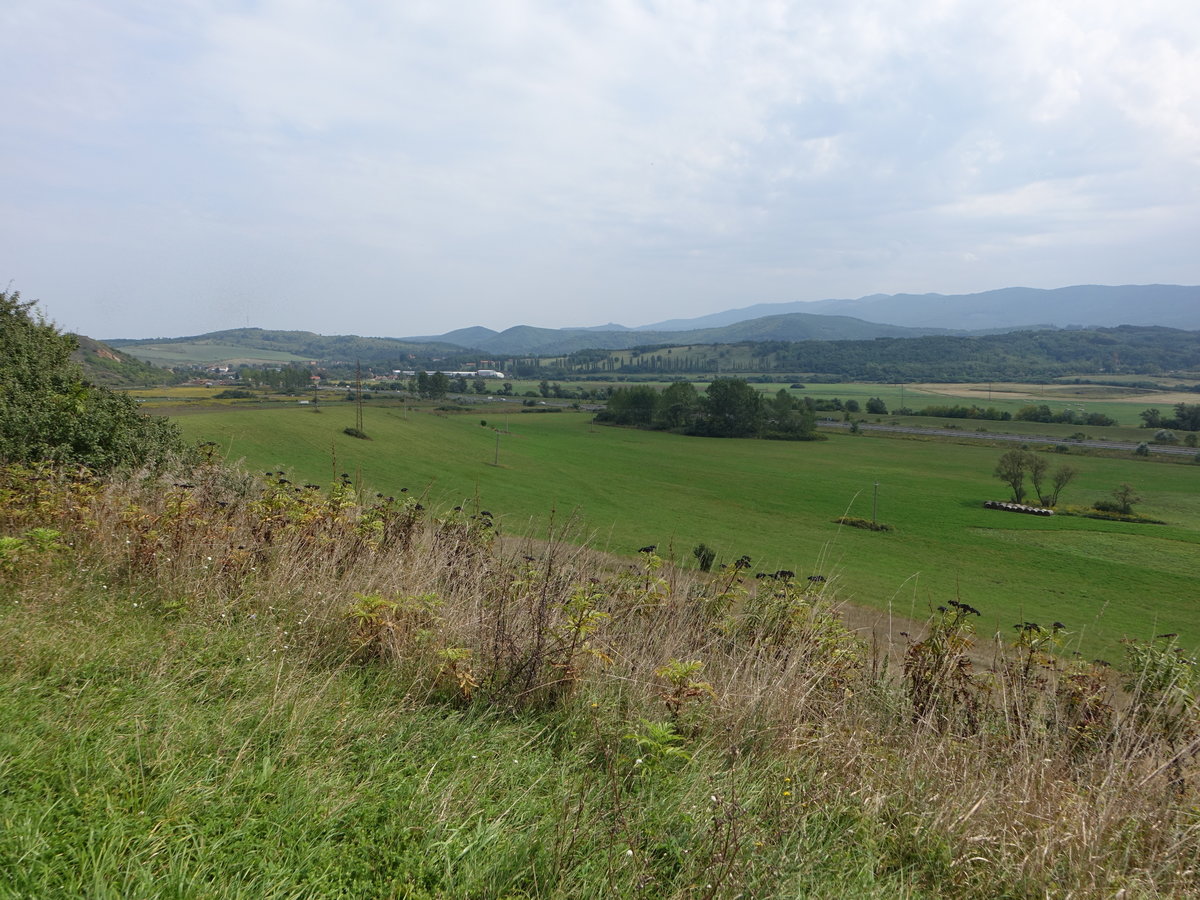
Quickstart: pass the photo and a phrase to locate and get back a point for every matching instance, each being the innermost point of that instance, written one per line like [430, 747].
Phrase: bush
[48, 413]
[866, 524]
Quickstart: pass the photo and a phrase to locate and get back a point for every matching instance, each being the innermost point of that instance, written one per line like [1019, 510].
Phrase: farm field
[776, 501]
[176, 352]
[1120, 403]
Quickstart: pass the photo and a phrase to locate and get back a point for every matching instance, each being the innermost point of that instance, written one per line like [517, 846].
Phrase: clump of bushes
[856, 522]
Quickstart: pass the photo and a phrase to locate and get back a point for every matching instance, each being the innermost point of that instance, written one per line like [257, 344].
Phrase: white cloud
[588, 162]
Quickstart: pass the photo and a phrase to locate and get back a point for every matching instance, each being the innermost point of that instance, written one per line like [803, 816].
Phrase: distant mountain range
[793, 326]
[1007, 309]
[879, 315]
[864, 319]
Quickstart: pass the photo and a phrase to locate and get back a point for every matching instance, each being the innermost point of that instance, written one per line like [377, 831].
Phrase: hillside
[105, 365]
[795, 326]
[261, 346]
[1012, 356]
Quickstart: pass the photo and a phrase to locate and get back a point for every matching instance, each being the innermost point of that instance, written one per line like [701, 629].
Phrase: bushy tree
[49, 413]
[1187, 416]
[789, 418]
[1011, 469]
[732, 408]
[631, 406]
[678, 406]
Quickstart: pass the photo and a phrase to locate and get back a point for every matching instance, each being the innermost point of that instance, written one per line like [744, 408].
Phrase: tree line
[729, 407]
[1013, 356]
[1186, 418]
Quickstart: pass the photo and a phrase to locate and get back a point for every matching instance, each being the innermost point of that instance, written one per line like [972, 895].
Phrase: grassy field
[192, 352]
[776, 502]
[1120, 403]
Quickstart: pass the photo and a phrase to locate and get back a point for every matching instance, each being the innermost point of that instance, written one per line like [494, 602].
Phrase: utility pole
[874, 502]
[358, 417]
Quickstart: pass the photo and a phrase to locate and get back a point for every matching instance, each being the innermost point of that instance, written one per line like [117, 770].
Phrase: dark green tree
[49, 413]
[635, 405]
[439, 385]
[1187, 416]
[788, 418]
[677, 406]
[731, 408]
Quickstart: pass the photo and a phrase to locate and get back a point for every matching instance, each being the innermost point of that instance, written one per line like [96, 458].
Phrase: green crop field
[776, 502]
[201, 352]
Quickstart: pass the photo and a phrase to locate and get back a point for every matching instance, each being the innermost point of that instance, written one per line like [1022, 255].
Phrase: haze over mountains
[863, 319]
[1083, 305]
[879, 315]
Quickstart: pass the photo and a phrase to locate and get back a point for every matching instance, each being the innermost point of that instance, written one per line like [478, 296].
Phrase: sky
[410, 167]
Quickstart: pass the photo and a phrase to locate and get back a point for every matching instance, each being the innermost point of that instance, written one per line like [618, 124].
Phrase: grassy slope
[776, 502]
[204, 352]
[197, 700]
[152, 758]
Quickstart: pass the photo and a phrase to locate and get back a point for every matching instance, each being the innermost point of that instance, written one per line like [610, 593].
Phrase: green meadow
[174, 353]
[621, 489]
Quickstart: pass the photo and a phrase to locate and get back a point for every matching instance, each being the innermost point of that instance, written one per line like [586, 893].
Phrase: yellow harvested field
[179, 393]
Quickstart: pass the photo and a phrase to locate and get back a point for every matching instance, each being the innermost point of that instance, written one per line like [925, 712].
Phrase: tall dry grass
[1036, 775]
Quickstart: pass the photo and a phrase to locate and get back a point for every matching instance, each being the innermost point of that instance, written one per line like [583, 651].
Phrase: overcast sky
[173, 167]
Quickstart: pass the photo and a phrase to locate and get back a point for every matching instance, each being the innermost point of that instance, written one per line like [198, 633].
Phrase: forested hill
[266, 346]
[1019, 355]
[796, 326]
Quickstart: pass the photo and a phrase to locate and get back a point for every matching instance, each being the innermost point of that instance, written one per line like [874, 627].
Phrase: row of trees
[1042, 413]
[1017, 465]
[729, 407]
[1186, 418]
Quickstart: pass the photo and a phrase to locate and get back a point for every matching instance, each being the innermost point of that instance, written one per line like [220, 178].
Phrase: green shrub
[48, 413]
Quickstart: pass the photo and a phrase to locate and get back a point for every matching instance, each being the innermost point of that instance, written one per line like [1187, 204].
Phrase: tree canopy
[730, 407]
[48, 413]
